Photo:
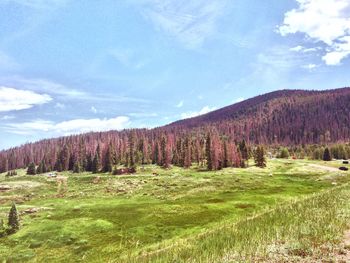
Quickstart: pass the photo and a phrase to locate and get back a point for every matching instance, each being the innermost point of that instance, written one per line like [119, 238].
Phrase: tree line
[102, 152]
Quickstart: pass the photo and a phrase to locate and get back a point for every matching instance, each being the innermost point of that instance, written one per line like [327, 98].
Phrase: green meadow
[292, 209]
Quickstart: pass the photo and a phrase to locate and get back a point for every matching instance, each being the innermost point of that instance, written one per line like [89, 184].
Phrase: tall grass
[293, 230]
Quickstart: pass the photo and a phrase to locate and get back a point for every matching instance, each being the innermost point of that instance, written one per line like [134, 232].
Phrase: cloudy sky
[74, 66]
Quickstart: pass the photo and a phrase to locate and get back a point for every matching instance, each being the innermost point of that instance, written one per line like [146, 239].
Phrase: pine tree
[244, 152]
[13, 220]
[108, 161]
[31, 169]
[208, 152]
[63, 159]
[76, 168]
[259, 157]
[187, 153]
[225, 156]
[327, 155]
[165, 153]
[96, 164]
[88, 164]
[132, 149]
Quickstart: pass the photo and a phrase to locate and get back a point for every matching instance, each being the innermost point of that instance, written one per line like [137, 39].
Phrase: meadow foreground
[293, 210]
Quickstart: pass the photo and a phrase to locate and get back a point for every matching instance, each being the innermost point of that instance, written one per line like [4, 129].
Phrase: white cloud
[143, 114]
[16, 99]
[190, 22]
[326, 21]
[180, 104]
[60, 106]
[192, 114]
[7, 117]
[75, 126]
[93, 109]
[238, 100]
[51, 87]
[304, 49]
[310, 66]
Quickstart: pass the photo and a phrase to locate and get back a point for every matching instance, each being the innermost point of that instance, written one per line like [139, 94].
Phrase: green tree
[326, 155]
[31, 169]
[76, 168]
[259, 157]
[284, 153]
[13, 222]
[108, 162]
[96, 164]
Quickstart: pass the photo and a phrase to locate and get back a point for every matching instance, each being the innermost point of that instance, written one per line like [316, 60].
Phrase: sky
[73, 66]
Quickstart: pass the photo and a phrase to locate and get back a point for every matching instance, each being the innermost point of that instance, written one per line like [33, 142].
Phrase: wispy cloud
[180, 104]
[190, 22]
[325, 21]
[304, 49]
[64, 92]
[191, 114]
[93, 109]
[310, 66]
[7, 117]
[238, 100]
[60, 106]
[16, 99]
[75, 126]
[42, 85]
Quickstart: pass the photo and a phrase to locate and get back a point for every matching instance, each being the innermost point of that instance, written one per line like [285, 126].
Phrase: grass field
[293, 208]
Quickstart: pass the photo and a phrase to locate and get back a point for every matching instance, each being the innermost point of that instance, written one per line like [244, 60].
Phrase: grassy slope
[130, 217]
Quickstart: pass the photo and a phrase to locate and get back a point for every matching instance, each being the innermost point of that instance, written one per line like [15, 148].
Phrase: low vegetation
[177, 214]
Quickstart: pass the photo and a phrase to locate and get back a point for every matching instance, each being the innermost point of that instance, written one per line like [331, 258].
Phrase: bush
[284, 153]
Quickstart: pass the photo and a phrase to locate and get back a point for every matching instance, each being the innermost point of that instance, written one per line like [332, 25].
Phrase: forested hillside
[287, 117]
[220, 138]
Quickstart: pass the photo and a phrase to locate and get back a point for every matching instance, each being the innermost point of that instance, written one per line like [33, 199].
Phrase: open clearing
[180, 215]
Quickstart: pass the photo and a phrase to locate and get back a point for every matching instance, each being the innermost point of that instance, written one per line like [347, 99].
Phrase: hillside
[286, 117]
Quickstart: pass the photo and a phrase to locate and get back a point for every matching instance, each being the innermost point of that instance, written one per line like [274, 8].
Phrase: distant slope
[285, 116]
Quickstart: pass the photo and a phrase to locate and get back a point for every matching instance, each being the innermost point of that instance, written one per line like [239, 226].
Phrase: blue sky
[73, 66]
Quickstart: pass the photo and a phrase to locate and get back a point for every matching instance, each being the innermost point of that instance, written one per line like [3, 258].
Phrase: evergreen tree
[284, 153]
[132, 148]
[165, 153]
[76, 168]
[187, 153]
[63, 159]
[243, 149]
[326, 155]
[259, 157]
[96, 164]
[31, 169]
[88, 164]
[13, 220]
[108, 161]
[208, 152]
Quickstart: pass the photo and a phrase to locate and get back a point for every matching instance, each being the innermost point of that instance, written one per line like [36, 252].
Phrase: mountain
[285, 117]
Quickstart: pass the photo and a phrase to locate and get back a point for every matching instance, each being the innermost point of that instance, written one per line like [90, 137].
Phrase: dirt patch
[324, 168]
[20, 185]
